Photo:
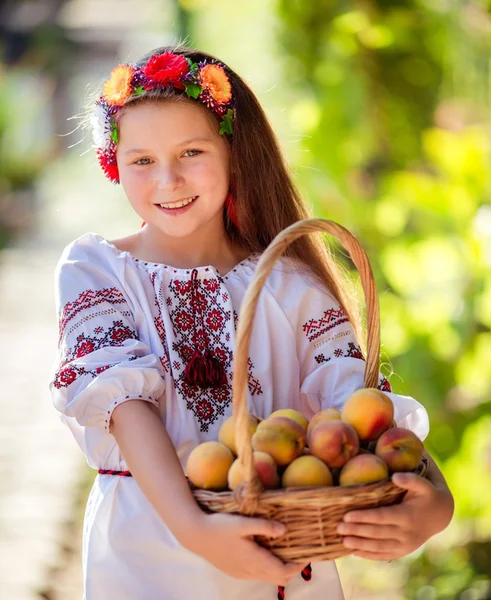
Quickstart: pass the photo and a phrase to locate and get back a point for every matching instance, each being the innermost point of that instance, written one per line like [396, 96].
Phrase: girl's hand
[393, 531]
[227, 542]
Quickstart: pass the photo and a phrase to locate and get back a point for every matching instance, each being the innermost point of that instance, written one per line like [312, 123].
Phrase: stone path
[40, 465]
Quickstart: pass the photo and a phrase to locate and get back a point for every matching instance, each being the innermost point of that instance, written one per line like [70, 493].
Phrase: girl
[146, 338]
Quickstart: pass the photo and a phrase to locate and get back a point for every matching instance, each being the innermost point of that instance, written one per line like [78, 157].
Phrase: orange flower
[117, 88]
[214, 79]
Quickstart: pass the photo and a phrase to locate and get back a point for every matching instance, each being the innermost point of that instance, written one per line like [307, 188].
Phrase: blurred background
[382, 110]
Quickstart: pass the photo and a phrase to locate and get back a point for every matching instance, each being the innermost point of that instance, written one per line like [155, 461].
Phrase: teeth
[179, 204]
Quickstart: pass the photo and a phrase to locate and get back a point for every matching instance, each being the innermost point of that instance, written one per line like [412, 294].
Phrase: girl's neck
[152, 245]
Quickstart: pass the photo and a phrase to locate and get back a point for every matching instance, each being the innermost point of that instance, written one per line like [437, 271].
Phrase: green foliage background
[393, 99]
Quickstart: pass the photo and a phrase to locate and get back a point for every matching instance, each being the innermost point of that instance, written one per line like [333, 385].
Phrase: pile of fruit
[358, 445]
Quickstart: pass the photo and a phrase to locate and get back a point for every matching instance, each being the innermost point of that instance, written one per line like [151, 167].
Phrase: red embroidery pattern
[384, 385]
[212, 319]
[115, 335]
[353, 351]
[212, 323]
[159, 326]
[254, 386]
[314, 328]
[86, 300]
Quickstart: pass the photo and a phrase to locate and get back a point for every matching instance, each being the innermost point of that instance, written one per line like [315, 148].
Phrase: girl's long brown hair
[267, 201]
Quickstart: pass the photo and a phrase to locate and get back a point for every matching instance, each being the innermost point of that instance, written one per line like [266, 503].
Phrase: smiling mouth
[179, 204]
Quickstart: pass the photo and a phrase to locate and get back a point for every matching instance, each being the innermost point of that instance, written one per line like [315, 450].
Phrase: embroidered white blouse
[126, 331]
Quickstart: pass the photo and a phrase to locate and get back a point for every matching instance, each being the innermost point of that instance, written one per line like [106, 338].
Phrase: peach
[266, 468]
[334, 442]
[400, 448]
[208, 466]
[307, 471]
[291, 414]
[370, 412]
[226, 434]
[327, 414]
[281, 437]
[362, 469]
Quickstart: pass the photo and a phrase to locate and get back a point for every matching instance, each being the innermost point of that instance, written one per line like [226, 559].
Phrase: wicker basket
[310, 514]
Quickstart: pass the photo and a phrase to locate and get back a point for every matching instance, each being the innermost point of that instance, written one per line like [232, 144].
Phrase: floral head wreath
[205, 81]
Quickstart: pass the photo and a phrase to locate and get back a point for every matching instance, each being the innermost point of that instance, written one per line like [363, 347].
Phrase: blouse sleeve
[332, 365]
[101, 362]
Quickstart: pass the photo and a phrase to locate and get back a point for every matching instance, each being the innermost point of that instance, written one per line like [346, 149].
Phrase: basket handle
[248, 494]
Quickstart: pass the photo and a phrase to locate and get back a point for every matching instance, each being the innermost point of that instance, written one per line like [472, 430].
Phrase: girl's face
[174, 166]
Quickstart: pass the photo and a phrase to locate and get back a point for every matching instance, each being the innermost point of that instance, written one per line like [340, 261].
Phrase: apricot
[328, 414]
[363, 468]
[307, 471]
[370, 412]
[208, 465]
[334, 442]
[400, 448]
[266, 468]
[226, 434]
[291, 414]
[281, 437]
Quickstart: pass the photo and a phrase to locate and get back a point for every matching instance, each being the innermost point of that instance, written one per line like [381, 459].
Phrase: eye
[142, 162]
[191, 153]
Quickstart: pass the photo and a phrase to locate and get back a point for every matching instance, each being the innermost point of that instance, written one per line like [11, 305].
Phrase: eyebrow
[184, 143]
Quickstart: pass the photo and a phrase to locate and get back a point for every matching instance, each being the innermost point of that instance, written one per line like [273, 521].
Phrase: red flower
[221, 355]
[109, 166]
[166, 68]
[205, 409]
[202, 339]
[184, 320]
[100, 370]
[85, 348]
[67, 376]
[119, 335]
[211, 284]
[214, 320]
[182, 287]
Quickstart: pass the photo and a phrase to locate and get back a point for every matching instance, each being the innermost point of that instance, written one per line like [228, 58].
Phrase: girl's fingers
[250, 526]
[377, 516]
[369, 545]
[380, 532]
[271, 567]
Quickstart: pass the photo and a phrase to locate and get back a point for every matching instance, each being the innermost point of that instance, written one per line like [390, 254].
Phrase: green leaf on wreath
[192, 90]
[114, 133]
[227, 125]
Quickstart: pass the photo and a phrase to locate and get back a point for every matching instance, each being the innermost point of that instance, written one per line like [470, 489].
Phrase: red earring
[231, 209]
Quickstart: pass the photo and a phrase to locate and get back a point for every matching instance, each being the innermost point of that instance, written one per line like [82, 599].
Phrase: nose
[169, 178]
